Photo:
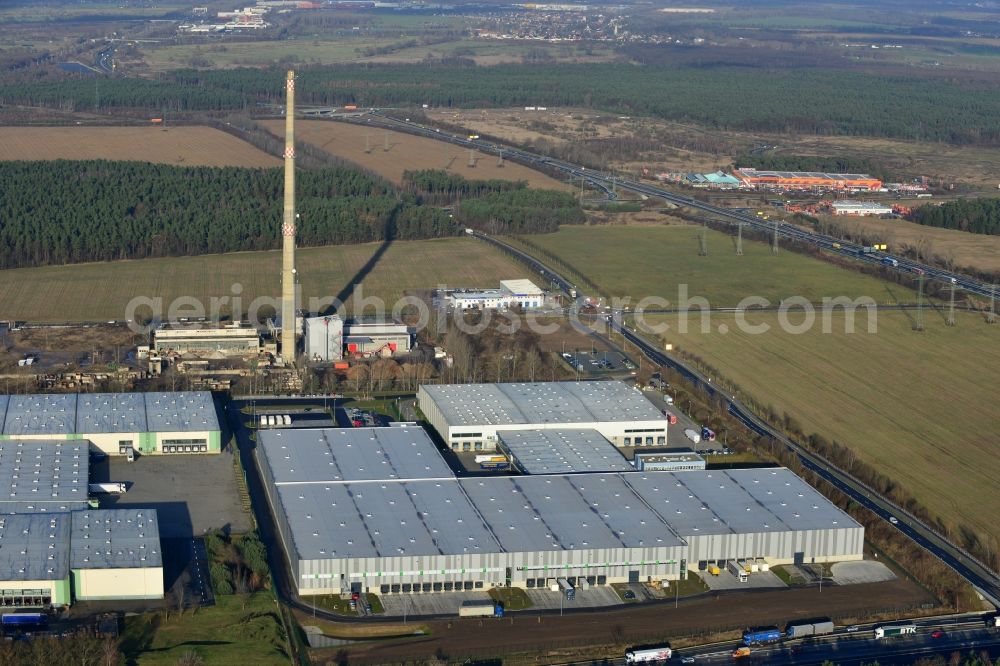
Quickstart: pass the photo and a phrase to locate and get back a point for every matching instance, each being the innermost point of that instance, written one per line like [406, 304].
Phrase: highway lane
[608, 184]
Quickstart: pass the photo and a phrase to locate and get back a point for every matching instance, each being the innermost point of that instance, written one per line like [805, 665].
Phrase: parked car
[937, 634]
[629, 594]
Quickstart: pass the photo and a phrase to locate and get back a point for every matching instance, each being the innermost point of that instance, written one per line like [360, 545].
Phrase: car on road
[937, 634]
[851, 630]
[629, 594]
[687, 660]
[894, 520]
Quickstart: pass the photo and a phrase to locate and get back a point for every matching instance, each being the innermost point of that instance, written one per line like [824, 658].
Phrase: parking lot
[595, 361]
[192, 494]
[437, 603]
[727, 581]
[595, 597]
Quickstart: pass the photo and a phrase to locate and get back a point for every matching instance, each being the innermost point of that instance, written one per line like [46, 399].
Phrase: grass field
[255, 54]
[182, 146]
[98, 292]
[406, 152]
[223, 634]
[653, 261]
[918, 406]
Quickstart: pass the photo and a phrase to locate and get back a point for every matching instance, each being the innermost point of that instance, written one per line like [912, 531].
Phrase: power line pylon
[703, 240]
[739, 239]
[368, 143]
[918, 325]
[472, 158]
[774, 242]
[991, 317]
[500, 160]
[951, 306]
[385, 147]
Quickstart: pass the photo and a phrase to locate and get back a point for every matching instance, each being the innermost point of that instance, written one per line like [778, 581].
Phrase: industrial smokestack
[288, 229]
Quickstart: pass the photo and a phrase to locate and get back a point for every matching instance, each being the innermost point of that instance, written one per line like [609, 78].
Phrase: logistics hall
[148, 423]
[378, 509]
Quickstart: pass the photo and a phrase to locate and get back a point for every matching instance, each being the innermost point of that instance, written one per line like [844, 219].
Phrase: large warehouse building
[47, 559]
[181, 422]
[377, 509]
[807, 180]
[468, 416]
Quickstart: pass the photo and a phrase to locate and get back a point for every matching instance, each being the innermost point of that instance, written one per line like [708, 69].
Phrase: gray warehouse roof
[115, 539]
[110, 412]
[34, 546]
[391, 519]
[539, 513]
[737, 501]
[94, 413]
[42, 472]
[187, 411]
[333, 455]
[562, 451]
[40, 414]
[541, 402]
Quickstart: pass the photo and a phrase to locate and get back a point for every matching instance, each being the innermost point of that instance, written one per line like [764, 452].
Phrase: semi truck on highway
[899, 629]
[802, 629]
[640, 655]
[761, 636]
[741, 652]
[112, 488]
[480, 608]
[692, 435]
[889, 261]
[993, 621]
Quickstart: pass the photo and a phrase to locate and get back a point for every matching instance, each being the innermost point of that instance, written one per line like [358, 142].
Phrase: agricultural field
[406, 152]
[639, 261]
[260, 53]
[180, 146]
[487, 52]
[909, 403]
[101, 291]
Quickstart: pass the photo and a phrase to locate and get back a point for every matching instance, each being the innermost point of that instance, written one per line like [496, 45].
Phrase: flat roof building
[807, 180]
[43, 475]
[468, 416]
[375, 337]
[512, 293]
[860, 208]
[115, 554]
[420, 530]
[229, 339]
[34, 560]
[175, 422]
[669, 461]
[561, 451]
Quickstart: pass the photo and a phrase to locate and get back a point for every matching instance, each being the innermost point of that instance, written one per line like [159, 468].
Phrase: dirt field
[406, 152]
[971, 250]
[99, 292]
[553, 639]
[917, 406]
[181, 146]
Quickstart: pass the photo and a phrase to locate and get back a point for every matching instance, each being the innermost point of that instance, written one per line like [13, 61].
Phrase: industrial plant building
[324, 338]
[48, 559]
[43, 476]
[377, 509]
[376, 337]
[115, 423]
[468, 416]
[807, 180]
[229, 340]
[512, 293]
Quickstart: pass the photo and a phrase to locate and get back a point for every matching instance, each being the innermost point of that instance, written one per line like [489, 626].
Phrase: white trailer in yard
[693, 435]
[111, 488]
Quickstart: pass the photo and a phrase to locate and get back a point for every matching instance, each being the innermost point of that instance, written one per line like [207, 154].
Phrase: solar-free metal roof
[540, 513]
[115, 539]
[40, 414]
[40, 472]
[110, 412]
[34, 546]
[541, 403]
[391, 519]
[331, 455]
[562, 451]
[188, 411]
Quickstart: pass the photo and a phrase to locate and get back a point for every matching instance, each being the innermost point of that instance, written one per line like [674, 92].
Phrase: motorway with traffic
[610, 184]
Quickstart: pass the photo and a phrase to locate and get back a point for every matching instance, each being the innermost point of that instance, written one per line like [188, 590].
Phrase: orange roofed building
[807, 180]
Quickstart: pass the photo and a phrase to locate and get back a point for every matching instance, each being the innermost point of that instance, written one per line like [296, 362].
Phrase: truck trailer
[480, 608]
[692, 435]
[567, 589]
[639, 655]
[707, 434]
[761, 636]
[802, 629]
[110, 488]
[900, 629]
